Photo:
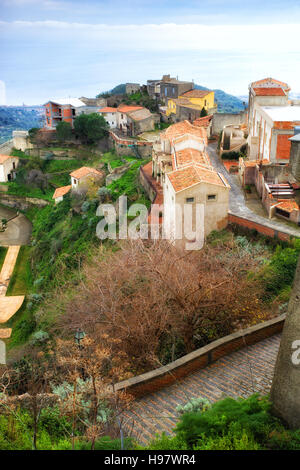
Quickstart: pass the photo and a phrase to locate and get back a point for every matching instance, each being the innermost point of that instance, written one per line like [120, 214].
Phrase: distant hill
[18, 118]
[226, 103]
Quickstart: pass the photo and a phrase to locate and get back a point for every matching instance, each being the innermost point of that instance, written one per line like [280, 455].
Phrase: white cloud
[162, 37]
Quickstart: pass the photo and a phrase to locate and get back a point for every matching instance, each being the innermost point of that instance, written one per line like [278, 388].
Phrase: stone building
[132, 88]
[173, 88]
[190, 104]
[273, 124]
[181, 165]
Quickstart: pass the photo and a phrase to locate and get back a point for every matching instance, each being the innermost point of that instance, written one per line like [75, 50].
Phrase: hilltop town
[122, 322]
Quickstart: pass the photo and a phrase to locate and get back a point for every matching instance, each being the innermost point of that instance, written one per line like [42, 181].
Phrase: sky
[59, 48]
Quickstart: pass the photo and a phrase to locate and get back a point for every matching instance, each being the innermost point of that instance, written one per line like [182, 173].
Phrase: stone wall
[6, 147]
[220, 120]
[21, 203]
[260, 228]
[166, 375]
[295, 160]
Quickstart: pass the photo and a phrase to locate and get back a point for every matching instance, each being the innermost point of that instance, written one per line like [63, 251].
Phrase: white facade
[7, 169]
[110, 118]
[213, 197]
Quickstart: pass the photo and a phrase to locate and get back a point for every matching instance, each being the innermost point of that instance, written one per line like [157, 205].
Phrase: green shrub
[194, 405]
[228, 416]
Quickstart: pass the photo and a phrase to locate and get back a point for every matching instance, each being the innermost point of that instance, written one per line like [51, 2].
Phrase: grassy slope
[3, 251]
[62, 240]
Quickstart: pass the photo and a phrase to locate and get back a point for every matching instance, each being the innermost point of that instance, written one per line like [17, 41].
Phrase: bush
[194, 405]
[228, 417]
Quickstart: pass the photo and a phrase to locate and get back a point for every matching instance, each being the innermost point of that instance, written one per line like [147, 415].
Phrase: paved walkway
[18, 229]
[11, 304]
[237, 203]
[239, 374]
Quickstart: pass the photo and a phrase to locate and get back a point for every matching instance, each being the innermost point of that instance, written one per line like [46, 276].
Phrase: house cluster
[80, 179]
[273, 148]
[129, 120]
[68, 109]
[181, 99]
[181, 165]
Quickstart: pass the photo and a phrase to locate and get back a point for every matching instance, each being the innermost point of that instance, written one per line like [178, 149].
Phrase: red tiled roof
[124, 108]
[271, 81]
[288, 205]
[269, 91]
[181, 128]
[189, 155]
[188, 176]
[61, 191]
[84, 171]
[107, 110]
[203, 121]
[195, 93]
[3, 158]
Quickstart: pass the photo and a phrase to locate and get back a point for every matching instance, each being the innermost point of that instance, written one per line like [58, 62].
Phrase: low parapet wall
[264, 229]
[166, 375]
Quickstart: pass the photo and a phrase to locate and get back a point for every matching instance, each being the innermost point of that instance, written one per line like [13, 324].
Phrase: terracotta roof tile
[203, 121]
[108, 109]
[188, 176]
[124, 108]
[61, 191]
[139, 114]
[195, 93]
[269, 80]
[269, 91]
[181, 128]
[288, 205]
[3, 158]
[189, 155]
[84, 171]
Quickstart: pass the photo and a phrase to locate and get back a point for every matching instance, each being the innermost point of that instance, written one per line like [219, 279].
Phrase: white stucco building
[8, 166]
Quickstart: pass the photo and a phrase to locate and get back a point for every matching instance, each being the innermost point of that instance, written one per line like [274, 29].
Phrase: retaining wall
[166, 375]
[20, 202]
[260, 228]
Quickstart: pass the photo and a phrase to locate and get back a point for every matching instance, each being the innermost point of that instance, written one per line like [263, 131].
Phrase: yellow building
[193, 100]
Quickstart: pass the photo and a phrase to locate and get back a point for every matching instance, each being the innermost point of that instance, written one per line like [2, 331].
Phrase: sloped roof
[84, 171]
[288, 205]
[203, 121]
[195, 93]
[269, 81]
[181, 128]
[188, 176]
[107, 109]
[189, 155]
[3, 158]
[124, 108]
[139, 114]
[61, 191]
[269, 91]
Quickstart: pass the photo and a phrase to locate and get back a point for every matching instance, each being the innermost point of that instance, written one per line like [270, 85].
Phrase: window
[14, 165]
[189, 199]
[211, 197]
[121, 116]
[166, 91]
